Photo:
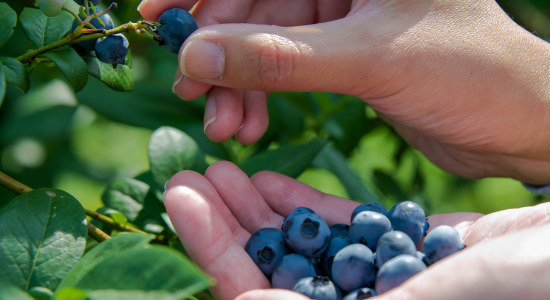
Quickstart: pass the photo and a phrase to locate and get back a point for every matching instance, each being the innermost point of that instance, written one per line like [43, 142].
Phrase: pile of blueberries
[175, 26]
[373, 255]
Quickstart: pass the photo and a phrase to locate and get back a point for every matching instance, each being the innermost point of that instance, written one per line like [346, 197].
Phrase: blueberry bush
[90, 132]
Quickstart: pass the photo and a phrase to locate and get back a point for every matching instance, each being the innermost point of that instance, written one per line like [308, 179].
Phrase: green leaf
[71, 65]
[10, 292]
[117, 216]
[334, 161]
[8, 20]
[127, 196]
[387, 185]
[40, 293]
[2, 83]
[287, 160]
[99, 253]
[351, 125]
[42, 30]
[71, 293]
[170, 151]
[43, 234]
[156, 269]
[119, 79]
[16, 73]
[137, 295]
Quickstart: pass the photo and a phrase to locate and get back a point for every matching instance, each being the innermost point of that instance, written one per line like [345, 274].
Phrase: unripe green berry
[51, 8]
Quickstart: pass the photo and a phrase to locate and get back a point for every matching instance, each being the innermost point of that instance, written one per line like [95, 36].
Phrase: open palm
[215, 215]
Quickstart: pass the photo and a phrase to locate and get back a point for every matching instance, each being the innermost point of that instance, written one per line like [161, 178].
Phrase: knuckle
[273, 60]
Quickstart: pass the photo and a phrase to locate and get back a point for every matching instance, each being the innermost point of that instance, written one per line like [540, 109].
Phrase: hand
[458, 79]
[214, 216]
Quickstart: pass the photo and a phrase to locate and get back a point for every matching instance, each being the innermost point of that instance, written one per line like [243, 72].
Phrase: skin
[505, 250]
[458, 79]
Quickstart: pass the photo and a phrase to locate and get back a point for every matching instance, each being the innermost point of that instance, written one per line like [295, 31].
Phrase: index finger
[151, 9]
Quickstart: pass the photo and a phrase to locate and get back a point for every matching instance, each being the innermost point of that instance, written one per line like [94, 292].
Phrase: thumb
[321, 57]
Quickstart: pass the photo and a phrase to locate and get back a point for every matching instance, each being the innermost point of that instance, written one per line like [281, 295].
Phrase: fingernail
[210, 112]
[140, 4]
[242, 125]
[202, 59]
[178, 79]
[166, 184]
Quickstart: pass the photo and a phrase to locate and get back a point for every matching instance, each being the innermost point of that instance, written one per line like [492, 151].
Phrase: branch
[76, 38]
[13, 185]
[109, 221]
[20, 189]
[96, 233]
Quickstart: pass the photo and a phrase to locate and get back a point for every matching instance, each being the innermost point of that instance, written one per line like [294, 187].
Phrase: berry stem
[87, 5]
[76, 38]
[72, 13]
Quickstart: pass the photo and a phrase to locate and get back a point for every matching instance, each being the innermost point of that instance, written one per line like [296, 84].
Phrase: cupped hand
[214, 215]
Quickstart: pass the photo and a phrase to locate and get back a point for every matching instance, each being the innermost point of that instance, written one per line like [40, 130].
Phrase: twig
[72, 13]
[96, 233]
[19, 188]
[109, 221]
[13, 185]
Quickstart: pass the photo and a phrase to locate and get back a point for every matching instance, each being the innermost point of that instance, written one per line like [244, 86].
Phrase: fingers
[192, 181]
[271, 294]
[205, 234]
[284, 194]
[255, 118]
[241, 197]
[223, 114]
[502, 268]
[187, 88]
[507, 221]
[270, 58]
[151, 9]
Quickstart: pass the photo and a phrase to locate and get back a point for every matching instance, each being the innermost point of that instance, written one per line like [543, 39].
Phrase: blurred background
[51, 137]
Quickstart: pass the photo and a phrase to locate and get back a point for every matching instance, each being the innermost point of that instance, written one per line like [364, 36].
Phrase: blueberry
[294, 213]
[336, 244]
[81, 2]
[422, 257]
[396, 271]
[319, 288]
[369, 207]
[367, 227]
[307, 234]
[318, 266]
[339, 230]
[51, 8]
[176, 25]
[360, 294]
[426, 226]
[392, 244]
[290, 270]
[267, 248]
[353, 267]
[441, 242]
[409, 218]
[112, 50]
[90, 44]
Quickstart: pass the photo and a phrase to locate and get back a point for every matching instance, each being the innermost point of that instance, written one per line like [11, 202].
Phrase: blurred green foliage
[79, 143]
